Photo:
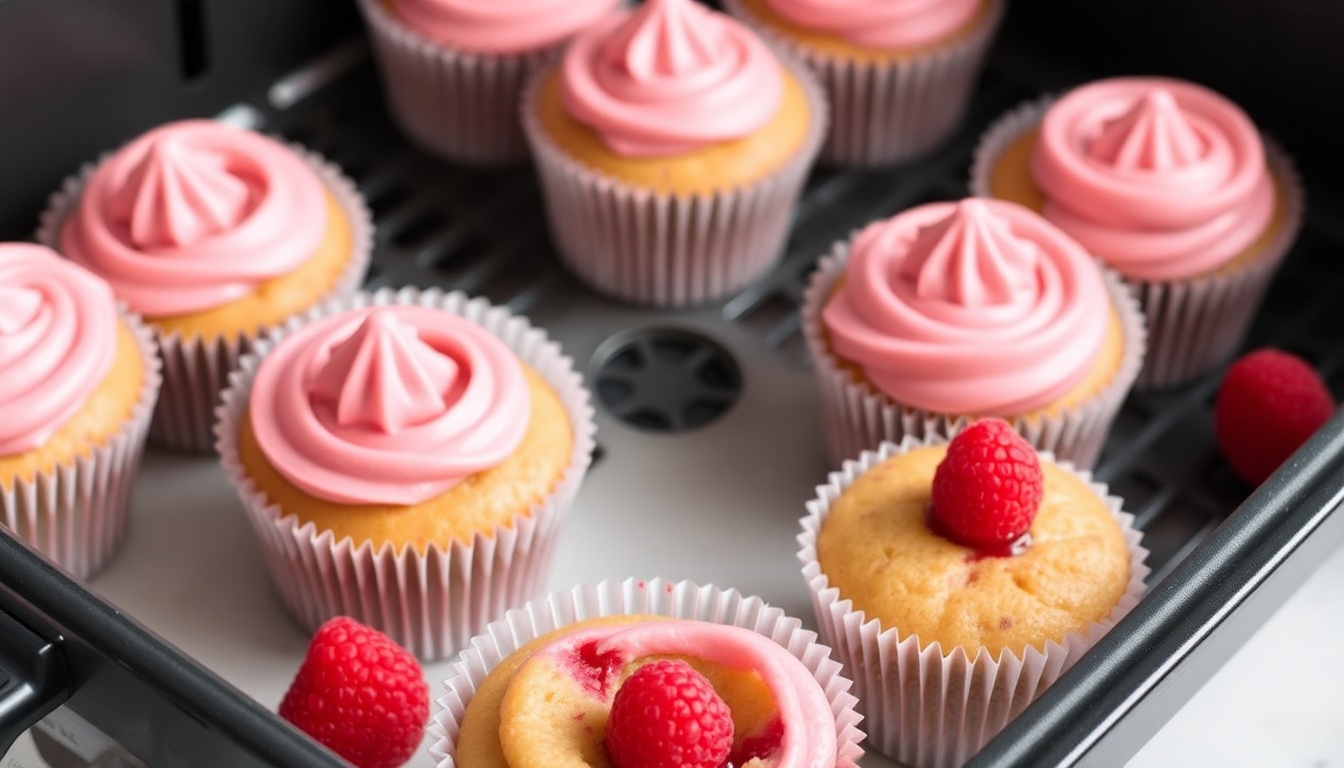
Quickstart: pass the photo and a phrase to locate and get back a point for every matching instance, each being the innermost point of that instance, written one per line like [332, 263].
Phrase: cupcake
[899, 75]
[672, 144]
[214, 235]
[80, 379]
[956, 583]
[407, 459]
[1169, 184]
[950, 311]
[571, 679]
[453, 70]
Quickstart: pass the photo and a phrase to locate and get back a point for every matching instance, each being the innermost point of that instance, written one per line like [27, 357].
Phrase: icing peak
[663, 40]
[384, 377]
[970, 258]
[1153, 135]
[18, 307]
[178, 195]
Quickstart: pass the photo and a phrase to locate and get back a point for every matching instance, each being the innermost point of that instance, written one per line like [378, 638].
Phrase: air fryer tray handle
[34, 679]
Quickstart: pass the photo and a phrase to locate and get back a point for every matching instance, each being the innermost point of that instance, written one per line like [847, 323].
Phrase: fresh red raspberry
[667, 715]
[988, 488]
[1268, 405]
[360, 694]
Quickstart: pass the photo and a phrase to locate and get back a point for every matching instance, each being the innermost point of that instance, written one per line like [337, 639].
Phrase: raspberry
[360, 694]
[667, 715]
[988, 488]
[1268, 405]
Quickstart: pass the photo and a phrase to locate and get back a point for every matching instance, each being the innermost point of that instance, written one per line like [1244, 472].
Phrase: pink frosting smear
[388, 405]
[196, 214]
[495, 26]
[881, 24]
[670, 77]
[808, 739]
[978, 307]
[58, 326]
[1159, 178]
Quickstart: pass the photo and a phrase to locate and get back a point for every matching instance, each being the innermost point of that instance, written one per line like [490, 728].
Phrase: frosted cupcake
[80, 377]
[407, 459]
[1169, 184]
[899, 75]
[672, 144]
[213, 234]
[454, 70]
[951, 311]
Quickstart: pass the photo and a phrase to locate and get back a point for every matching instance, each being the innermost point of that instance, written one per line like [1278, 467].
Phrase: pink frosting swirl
[388, 405]
[670, 77]
[1161, 179]
[978, 307]
[58, 338]
[881, 23]
[491, 26]
[195, 214]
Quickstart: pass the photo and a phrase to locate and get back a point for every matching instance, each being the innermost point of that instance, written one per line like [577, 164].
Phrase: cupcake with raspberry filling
[80, 376]
[645, 675]
[957, 581]
[407, 459]
[1171, 185]
[214, 235]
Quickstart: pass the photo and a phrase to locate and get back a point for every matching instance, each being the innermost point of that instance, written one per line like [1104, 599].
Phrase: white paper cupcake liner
[884, 113]
[430, 602]
[1194, 324]
[857, 417]
[457, 104]
[196, 370]
[657, 597]
[930, 708]
[665, 249]
[78, 513]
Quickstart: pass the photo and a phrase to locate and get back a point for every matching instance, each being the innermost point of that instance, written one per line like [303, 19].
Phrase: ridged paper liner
[1196, 323]
[433, 602]
[660, 248]
[857, 417]
[930, 709]
[884, 113]
[77, 512]
[196, 370]
[458, 104]
[681, 600]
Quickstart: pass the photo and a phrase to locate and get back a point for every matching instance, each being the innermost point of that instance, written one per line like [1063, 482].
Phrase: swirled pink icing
[670, 77]
[58, 326]
[979, 307]
[807, 739]
[881, 23]
[491, 26]
[195, 214]
[388, 405]
[1159, 178]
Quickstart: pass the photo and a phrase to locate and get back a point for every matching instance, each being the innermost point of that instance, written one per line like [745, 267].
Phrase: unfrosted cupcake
[407, 459]
[672, 144]
[899, 75]
[213, 234]
[950, 311]
[957, 583]
[454, 70]
[79, 381]
[1169, 184]
[553, 683]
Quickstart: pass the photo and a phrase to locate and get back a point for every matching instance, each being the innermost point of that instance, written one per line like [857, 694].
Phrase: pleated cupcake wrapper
[77, 513]
[857, 417]
[665, 249]
[431, 602]
[657, 597]
[1194, 324]
[884, 113]
[196, 370]
[457, 104]
[932, 708]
